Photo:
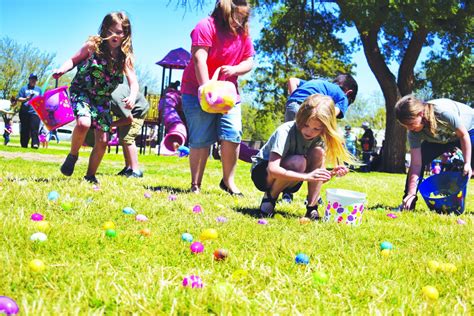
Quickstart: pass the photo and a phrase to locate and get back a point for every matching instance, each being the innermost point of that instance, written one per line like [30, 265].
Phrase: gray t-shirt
[285, 141]
[118, 106]
[450, 115]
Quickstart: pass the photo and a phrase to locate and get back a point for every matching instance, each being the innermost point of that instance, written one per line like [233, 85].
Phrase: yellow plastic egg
[36, 265]
[386, 252]
[430, 292]
[209, 233]
[447, 267]
[108, 225]
[42, 226]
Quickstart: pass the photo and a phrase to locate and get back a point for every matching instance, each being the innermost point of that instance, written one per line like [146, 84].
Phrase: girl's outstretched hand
[57, 73]
[318, 175]
[129, 102]
[339, 171]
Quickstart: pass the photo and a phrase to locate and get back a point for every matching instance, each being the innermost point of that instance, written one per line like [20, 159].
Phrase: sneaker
[125, 171]
[287, 197]
[67, 168]
[312, 212]
[267, 206]
[91, 179]
[135, 174]
[35, 146]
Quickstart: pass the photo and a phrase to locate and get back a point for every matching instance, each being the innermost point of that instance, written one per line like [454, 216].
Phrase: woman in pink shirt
[221, 40]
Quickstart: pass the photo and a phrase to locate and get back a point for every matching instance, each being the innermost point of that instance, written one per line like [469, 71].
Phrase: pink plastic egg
[37, 217]
[196, 247]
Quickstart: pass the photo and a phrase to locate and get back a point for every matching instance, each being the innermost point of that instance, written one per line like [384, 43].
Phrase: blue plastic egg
[386, 245]
[301, 258]
[53, 196]
[187, 237]
[129, 211]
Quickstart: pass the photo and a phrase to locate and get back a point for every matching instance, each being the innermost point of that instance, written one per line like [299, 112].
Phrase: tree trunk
[393, 156]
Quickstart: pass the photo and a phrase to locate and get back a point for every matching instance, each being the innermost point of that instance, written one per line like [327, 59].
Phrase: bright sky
[158, 26]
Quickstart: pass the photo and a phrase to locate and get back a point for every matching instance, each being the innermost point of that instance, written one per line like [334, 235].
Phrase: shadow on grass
[15, 179]
[166, 189]
[255, 212]
[384, 207]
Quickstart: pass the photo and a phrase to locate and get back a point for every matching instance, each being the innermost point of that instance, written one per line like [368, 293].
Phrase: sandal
[267, 206]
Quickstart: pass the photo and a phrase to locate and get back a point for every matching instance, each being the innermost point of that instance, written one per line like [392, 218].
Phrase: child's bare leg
[98, 152]
[295, 163]
[126, 153]
[83, 123]
[131, 156]
[316, 159]
[197, 163]
[229, 154]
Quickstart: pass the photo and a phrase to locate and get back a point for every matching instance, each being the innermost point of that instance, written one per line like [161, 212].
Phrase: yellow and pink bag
[217, 96]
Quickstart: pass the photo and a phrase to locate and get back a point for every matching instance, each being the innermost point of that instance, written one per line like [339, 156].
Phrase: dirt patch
[31, 156]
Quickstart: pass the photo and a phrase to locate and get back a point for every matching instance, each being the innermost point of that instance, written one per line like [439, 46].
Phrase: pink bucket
[53, 108]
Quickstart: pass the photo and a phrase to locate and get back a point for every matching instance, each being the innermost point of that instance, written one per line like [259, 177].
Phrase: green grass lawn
[89, 273]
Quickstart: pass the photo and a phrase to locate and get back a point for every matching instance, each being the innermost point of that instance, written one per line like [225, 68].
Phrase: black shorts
[259, 178]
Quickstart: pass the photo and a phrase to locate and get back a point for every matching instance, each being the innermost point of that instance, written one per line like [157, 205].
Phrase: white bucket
[344, 206]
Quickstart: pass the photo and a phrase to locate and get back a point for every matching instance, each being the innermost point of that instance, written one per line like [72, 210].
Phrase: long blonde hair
[320, 107]
[409, 107]
[232, 15]
[98, 42]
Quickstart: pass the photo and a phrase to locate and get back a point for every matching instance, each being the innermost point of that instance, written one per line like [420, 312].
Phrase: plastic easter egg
[386, 245]
[187, 237]
[53, 196]
[145, 232]
[108, 225]
[147, 195]
[430, 292]
[262, 221]
[208, 234]
[278, 217]
[36, 265]
[239, 274]
[433, 265]
[172, 197]
[196, 247]
[37, 217]
[42, 226]
[386, 252]
[197, 208]
[95, 187]
[304, 220]
[193, 281]
[8, 306]
[110, 233]
[141, 218]
[320, 277]
[460, 222]
[220, 254]
[301, 258]
[128, 210]
[38, 237]
[66, 206]
[391, 215]
[447, 267]
[221, 219]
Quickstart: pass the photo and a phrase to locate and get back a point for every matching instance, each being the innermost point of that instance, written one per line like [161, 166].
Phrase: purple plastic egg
[193, 281]
[147, 195]
[172, 197]
[196, 247]
[221, 219]
[391, 215]
[141, 218]
[461, 222]
[197, 208]
[262, 221]
[8, 306]
[37, 217]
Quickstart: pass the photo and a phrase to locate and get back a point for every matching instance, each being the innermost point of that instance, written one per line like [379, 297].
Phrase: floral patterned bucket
[344, 206]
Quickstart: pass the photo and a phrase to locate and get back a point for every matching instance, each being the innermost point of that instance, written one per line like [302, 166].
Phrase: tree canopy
[307, 33]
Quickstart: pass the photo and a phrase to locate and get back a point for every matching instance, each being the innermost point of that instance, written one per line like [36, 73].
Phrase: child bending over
[297, 152]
